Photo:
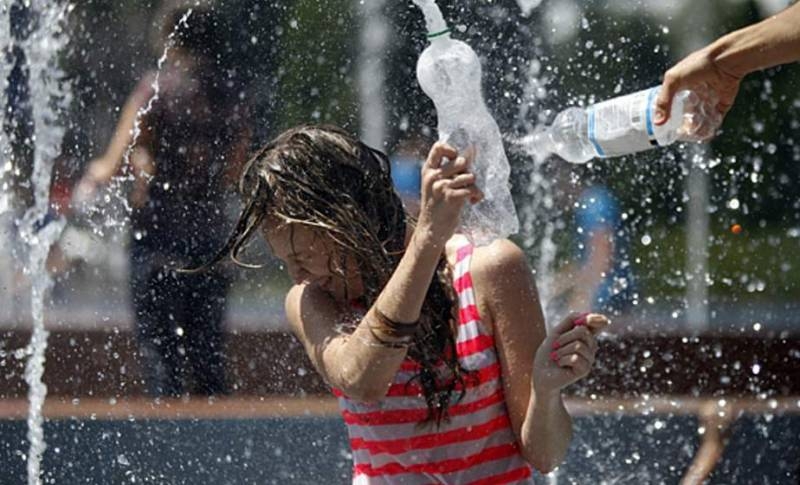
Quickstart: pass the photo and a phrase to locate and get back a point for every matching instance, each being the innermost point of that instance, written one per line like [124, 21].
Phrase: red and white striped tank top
[476, 445]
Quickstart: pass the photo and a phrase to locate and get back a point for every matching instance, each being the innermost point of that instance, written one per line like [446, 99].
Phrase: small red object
[736, 228]
[556, 345]
[554, 356]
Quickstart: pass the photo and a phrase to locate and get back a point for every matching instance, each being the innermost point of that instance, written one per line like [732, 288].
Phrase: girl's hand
[447, 184]
[567, 354]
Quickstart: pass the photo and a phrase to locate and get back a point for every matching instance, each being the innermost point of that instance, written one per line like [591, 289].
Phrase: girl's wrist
[547, 397]
[426, 238]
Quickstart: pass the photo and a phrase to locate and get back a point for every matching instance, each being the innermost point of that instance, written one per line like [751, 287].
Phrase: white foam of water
[5, 70]
[49, 97]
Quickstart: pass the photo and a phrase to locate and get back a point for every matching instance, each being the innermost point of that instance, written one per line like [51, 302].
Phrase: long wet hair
[322, 177]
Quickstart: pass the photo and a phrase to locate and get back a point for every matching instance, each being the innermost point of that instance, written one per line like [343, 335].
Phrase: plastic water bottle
[449, 72]
[622, 126]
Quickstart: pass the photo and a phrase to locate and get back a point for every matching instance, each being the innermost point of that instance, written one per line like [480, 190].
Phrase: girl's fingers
[476, 195]
[462, 181]
[459, 166]
[431, 174]
[568, 323]
[438, 152]
[580, 347]
[577, 363]
[579, 333]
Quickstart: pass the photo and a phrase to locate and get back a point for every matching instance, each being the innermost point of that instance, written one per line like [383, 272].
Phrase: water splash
[5, 71]
[50, 96]
[116, 190]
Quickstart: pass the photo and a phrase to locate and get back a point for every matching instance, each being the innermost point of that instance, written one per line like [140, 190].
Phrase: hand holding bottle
[698, 73]
[624, 125]
[447, 184]
[720, 66]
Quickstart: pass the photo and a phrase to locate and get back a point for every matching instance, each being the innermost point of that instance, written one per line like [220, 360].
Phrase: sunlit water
[50, 98]
[538, 230]
[98, 208]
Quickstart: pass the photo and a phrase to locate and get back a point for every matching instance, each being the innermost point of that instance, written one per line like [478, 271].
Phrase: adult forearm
[769, 43]
[546, 432]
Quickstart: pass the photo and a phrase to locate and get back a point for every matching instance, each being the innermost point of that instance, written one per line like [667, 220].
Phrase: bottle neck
[444, 33]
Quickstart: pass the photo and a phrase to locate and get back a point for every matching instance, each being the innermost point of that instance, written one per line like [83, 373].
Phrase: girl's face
[311, 258]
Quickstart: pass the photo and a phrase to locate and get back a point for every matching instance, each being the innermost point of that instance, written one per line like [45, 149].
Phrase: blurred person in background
[599, 278]
[407, 160]
[192, 145]
[719, 67]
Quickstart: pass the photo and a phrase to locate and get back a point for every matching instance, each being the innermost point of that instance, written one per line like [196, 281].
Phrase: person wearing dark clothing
[189, 148]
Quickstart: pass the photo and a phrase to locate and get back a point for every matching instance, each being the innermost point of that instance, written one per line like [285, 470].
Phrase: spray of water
[50, 96]
[116, 188]
[5, 70]
[537, 215]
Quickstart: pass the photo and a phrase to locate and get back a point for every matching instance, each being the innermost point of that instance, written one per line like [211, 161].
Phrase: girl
[436, 349]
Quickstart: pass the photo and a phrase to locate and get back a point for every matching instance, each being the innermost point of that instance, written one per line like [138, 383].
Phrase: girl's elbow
[364, 393]
[543, 465]
[357, 385]
[544, 461]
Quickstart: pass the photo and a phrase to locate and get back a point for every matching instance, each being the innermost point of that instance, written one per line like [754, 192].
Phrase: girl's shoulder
[496, 270]
[489, 260]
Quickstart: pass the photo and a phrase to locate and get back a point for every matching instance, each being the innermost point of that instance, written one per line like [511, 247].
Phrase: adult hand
[97, 174]
[716, 87]
[568, 353]
[447, 184]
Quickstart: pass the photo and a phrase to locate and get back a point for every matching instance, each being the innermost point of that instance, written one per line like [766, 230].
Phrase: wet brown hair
[322, 177]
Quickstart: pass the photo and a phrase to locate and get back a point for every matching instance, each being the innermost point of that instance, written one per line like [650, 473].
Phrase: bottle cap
[440, 33]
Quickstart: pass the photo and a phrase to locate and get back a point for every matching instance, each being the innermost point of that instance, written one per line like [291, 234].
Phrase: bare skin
[720, 66]
[507, 299]
[102, 169]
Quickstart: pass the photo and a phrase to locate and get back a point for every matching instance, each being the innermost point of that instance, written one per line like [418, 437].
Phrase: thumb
[663, 104]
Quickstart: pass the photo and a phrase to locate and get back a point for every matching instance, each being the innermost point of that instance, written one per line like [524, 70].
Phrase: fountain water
[600, 450]
[49, 98]
[94, 206]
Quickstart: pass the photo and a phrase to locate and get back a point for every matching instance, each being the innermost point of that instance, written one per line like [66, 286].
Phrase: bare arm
[104, 167]
[769, 43]
[541, 423]
[532, 380]
[358, 364]
[721, 65]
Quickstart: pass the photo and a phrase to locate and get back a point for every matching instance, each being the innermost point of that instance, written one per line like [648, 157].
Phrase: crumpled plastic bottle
[449, 72]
